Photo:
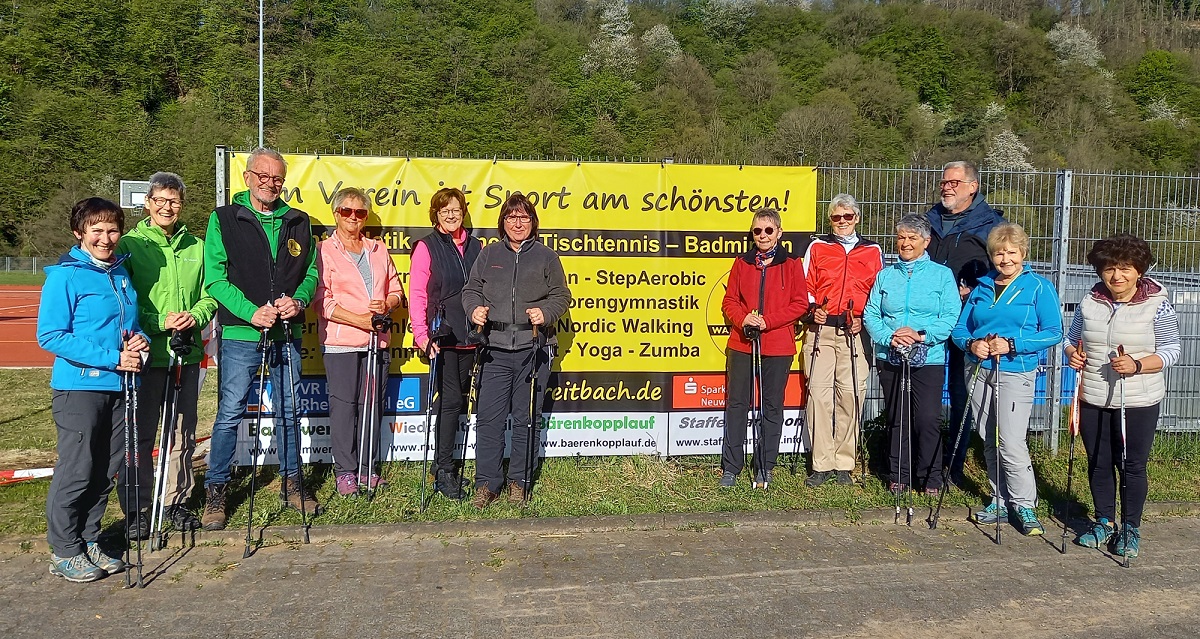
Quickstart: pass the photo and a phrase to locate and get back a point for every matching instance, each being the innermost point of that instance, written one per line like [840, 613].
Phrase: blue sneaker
[989, 515]
[728, 479]
[78, 569]
[1098, 535]
[1126, 544]
[1030, 526]
[110, 565]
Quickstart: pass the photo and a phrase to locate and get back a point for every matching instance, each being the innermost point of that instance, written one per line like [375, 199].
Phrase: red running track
[18, 328]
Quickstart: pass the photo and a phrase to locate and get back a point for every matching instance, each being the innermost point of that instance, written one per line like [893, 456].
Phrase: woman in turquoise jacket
[910, 311]
[1013, 314]
[88, 319]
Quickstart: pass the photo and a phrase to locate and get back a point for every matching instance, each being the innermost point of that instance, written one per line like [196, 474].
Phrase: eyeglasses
[451, 212]
[761, 231]
[953, 184]
[349, 212]
[523, 219]
[263, 178]
[163, 202]
[849, 217]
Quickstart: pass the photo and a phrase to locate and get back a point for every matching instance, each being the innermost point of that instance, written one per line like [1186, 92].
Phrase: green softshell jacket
[168, 275]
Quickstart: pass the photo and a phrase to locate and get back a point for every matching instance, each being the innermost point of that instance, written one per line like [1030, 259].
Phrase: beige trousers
[833, 416]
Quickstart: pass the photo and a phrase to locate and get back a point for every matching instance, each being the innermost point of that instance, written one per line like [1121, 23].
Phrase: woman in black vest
[441, 262]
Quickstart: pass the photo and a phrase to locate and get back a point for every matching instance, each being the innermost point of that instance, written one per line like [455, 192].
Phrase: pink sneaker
[373, 482]
[347, 484]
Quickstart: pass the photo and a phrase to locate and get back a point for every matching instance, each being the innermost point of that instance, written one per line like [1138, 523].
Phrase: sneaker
[181, 518]
[728, 479]
[294, 496]
[347, 484]
[818, 478]
[1030, 526]
[843, 478]
[372, 482]
[1126, 544]
[137, 526]
[448, 485]
[483, 497]
[990, 514]
[110, 565]
[762, 479]
[78, 569]
[897, 488]
[517, 493]
[933, 491]
[1097, 535]
[214, 516]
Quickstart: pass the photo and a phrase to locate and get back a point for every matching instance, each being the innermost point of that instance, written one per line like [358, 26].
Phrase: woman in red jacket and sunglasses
[764, 298]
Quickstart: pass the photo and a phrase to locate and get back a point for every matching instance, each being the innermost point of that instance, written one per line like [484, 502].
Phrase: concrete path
[719, 576]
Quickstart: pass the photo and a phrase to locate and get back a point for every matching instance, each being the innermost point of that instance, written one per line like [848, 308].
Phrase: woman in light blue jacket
[910, 311]
[1012, 314]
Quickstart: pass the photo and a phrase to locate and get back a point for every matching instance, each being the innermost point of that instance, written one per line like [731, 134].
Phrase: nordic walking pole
[1072, 431]
[132, 485]
[908, 414]
[850, 341]
[816, 350]
[286, 345]
[962, 425]
[256, 443]
[1124, 479]
[996, 425]
[379, 381]
[366, 418]
[480, 340]
[433, 373]
[756, 425]
[533, 415]
[166, 430]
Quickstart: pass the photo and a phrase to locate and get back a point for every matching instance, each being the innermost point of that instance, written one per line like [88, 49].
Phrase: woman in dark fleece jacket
[765, 296]
[517, 291]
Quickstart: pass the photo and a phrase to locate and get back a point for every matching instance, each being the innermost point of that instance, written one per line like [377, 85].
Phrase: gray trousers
[1018, 488]
[179, 477]
[91, 447]
[504, 391]
[346, 381]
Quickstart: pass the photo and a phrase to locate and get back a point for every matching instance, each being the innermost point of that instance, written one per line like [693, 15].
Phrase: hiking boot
[728, 479]
[78, 569]
[347, 484]
[448, 485]
[483, 497]
[214, 516]
[1126, 543]
[101, 560]
[1097, 535]
[293, 495]
[516, 493]
[1030, 526]
[762, 479]
[990, 514]
[137, 526]
[818, 478]
[843, 478]
[181, 518]
[372, 482]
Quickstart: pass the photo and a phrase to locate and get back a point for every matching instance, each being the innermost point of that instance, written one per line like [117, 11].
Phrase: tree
[614, 49]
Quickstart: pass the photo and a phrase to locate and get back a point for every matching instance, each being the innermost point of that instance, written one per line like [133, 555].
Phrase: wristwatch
[300, 305]
[1012, 345]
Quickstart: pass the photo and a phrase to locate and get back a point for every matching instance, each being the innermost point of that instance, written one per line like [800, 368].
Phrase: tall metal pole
[1062, 258]
[260, 74]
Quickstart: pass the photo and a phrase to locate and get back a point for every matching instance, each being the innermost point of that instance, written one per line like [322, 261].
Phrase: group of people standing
[960, 307]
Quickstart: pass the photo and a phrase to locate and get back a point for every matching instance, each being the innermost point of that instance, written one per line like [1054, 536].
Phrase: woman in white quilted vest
[1129, 333]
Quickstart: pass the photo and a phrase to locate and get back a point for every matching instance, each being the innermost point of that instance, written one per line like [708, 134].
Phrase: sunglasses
[356, 213]
[849, 217]
[761, 231]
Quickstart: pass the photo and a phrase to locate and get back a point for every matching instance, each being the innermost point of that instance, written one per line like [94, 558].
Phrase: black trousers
[91, 448]
[738, 381]
[916, 442]
[346, 382]
[454, 373]
[1100, 429]
[956, 366]
[504, 391]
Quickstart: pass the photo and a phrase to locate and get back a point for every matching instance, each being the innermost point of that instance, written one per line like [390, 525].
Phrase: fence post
[1062, 246]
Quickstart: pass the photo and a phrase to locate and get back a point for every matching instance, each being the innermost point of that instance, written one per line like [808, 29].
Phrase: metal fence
[25, 264]
[1064, 212]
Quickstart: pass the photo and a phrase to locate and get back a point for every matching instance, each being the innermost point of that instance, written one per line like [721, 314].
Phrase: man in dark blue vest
[260, 266]
[961, 222]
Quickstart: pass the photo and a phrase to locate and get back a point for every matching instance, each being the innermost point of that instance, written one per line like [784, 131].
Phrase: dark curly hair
[1122, 249]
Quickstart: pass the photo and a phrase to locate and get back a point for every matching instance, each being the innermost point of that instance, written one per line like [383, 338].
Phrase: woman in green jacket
[166, 264]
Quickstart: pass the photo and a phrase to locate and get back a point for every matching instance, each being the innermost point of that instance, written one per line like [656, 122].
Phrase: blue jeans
[237, 372]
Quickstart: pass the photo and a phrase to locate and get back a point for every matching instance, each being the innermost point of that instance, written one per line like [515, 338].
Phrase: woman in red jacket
[764, 298]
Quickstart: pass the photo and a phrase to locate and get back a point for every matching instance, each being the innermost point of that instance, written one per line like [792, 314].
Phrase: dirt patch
[26, 458]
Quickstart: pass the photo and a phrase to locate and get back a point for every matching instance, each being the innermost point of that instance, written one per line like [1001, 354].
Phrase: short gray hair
[348, 192]
[844, 200]
[263, 151]
[166, 180]
[767, 213]
[970, 171]
[916, 223]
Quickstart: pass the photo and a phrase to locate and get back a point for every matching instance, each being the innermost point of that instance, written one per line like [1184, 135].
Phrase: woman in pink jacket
[357, 282]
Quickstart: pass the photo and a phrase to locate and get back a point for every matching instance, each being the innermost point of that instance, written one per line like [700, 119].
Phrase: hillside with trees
[93, 92]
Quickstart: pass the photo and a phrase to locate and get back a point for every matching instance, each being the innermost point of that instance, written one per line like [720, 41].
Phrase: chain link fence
[1064, 213]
